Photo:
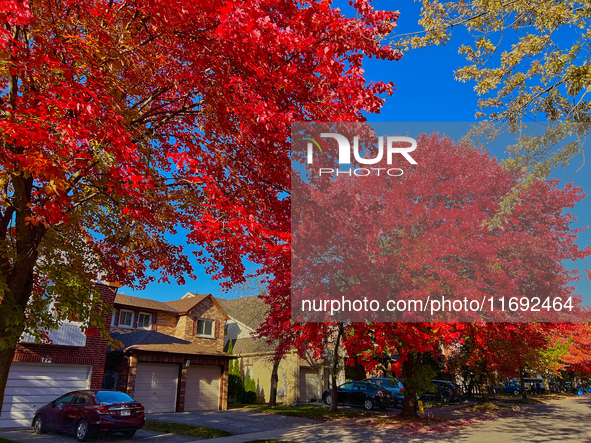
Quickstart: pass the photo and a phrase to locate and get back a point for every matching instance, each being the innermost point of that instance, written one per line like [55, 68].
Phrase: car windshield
[112, 397]
[387, 384]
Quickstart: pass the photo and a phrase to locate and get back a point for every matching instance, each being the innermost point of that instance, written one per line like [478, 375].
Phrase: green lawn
[182, 429]
[5, 440]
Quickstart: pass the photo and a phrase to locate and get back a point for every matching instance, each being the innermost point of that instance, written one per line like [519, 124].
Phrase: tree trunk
[6, 356]
[522, 384]
[484, 392]
[274, 382]
[334, 393]
[484, 386]
[409, 367]
[16, 273]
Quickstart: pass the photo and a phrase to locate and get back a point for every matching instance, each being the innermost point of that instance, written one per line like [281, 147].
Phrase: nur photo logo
[387, 146]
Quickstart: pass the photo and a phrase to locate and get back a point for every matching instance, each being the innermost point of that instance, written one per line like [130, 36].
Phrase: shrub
[235, 388]
[249, 397]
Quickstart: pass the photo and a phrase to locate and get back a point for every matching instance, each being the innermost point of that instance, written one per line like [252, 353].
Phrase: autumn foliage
[121, 122]
[433, 233]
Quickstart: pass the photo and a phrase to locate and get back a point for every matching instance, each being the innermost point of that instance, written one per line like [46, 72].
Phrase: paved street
[562, 421]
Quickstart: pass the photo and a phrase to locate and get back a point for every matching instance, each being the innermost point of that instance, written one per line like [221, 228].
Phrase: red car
[87, 412]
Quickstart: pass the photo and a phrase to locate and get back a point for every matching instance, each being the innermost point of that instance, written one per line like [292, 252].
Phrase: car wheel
[368, 404]
[516, 391]
[39, 424]
[394, 404]
[128, 434]
[82, 430]
[328, 399]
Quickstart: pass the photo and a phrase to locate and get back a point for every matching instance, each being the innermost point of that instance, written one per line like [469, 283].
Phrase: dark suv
[360, 393]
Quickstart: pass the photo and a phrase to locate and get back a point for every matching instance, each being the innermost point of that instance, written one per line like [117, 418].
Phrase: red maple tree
[428, 233]
[124, 121]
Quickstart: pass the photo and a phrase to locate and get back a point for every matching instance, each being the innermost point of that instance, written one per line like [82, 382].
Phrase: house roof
[152, 341]
[175, 306]
[250, 311]
[190, 299]
[138, 302]
[185, 304]
[249, 345]
[147, 338]
[191, 349]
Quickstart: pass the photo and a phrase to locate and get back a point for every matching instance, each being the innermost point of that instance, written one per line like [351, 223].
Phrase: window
[81, 399]
[64, 400]
[112, 397]
[126, 319]
[204, 327]
[144, 320]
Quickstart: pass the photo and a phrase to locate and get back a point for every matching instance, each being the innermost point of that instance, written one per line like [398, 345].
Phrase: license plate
[125, 412]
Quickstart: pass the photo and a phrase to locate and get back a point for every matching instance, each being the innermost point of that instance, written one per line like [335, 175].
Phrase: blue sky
[425, 92]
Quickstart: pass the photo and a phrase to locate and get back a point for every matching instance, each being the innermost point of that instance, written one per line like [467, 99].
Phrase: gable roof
[138, 302]
[242, 346]
[146, 338]
[181, 306]
[152, 341]
[190, 300]
[250, 311]
[186, 304]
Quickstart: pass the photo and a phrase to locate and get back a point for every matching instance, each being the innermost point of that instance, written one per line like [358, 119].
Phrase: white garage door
[308, 384]
[155, 386]
[202, 392]
[31, 386]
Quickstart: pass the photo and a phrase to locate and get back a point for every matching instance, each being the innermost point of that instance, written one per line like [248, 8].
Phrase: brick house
[42, 372]
[172, 357]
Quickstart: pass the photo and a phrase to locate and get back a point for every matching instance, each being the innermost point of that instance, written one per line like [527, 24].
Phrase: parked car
[90, 411]
[360, 393]
[553, 386]
[511, 388]
[395, 387]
